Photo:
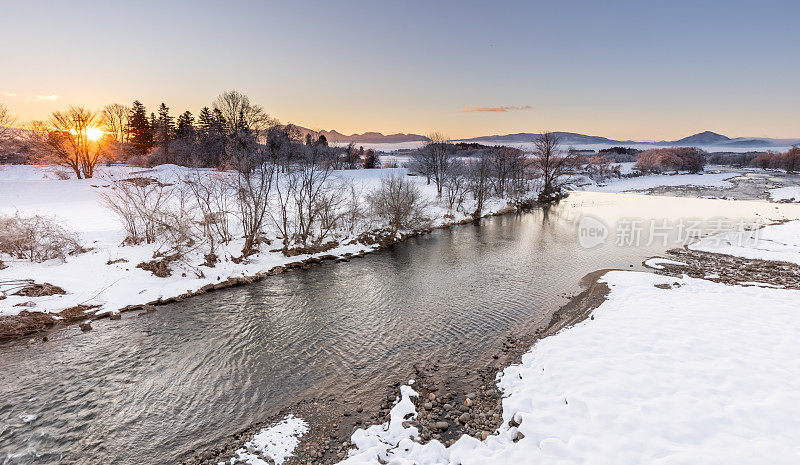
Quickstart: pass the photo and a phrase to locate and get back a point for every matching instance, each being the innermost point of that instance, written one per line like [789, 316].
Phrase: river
[152, 387]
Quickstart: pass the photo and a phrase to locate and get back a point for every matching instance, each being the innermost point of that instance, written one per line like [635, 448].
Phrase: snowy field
[788, 193]
[776, 243]
[107, 275]
[641, 183]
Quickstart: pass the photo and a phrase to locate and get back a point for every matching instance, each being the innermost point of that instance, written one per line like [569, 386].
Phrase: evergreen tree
[165, 125]
[220, 123]
[185, 126]
[205, 122]
[141, 135]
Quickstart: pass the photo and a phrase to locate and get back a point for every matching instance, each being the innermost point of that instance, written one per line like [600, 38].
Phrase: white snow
[776, 242]
[276, 442]
[790, 193]
[89, 279]
[390, 439]
[642, 183]
[700, 372]
[656, 263]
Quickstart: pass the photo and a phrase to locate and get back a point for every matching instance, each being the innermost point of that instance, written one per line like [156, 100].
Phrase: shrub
[399, 203]
[689, 159]
[36, 238]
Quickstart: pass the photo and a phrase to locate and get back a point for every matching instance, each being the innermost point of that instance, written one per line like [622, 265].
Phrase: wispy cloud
[9, 94]
[51, 98]
[503, 109]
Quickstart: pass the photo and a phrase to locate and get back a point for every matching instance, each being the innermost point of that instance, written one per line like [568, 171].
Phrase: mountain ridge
[704, 138]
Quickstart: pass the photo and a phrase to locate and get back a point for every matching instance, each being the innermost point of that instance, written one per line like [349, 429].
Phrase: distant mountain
[365, 138]
[702, 138]
[566, 138]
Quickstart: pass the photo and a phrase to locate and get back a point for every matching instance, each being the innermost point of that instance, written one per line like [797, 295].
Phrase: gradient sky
[640, 70]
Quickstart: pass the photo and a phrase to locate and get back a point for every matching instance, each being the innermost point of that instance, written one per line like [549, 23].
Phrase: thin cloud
[9, 94]
[51, 98]
[503, 109]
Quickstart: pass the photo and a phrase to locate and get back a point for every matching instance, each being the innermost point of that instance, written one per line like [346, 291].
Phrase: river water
[153, 386]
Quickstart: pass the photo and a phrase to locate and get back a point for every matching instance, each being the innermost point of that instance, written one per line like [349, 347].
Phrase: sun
[94, 134]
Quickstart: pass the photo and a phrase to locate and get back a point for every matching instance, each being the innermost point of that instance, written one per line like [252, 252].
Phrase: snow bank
[276, 442]
[641, 183]
[778, 243]
[656, 263]
[107, 276]
[790, 193]
[389, 440]
[699, 372]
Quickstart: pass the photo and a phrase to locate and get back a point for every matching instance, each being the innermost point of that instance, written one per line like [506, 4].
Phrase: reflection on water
[150, 387]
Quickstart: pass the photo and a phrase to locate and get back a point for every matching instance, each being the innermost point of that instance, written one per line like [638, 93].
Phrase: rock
[115, 316]
[471, 395]
[442, 425]
[149, 308]
[360, 408]
[485, 435]
[468, 402]
[85, 326]
[431, 396]
[448, 406]
[519, 437]
[427, 405]
[464, 418]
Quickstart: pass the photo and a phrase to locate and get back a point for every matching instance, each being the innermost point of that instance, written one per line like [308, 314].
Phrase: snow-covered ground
[642, 183]
[787, 193]
[276, 443]
[107, 275]
[690, 373]
[776, 243]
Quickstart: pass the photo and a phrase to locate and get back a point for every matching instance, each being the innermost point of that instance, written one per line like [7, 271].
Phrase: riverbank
[668, 367]
[440, 422]
[449, 407]
[110, 277]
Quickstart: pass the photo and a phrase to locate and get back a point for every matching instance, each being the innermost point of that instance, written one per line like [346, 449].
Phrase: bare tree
[213, 197]
[433, 159]
[114, 118]
[553, 166]
[140, 203]
[479, 172]
[7, 120]
[239, 113]
[456, 185]
[67, 139]
[255, 173]
[398, 202]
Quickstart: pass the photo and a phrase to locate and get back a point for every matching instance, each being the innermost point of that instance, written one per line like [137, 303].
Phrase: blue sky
[641, 70]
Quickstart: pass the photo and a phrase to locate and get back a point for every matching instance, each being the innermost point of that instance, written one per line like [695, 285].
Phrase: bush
[36, 238]
[399, 203]
[689, 159]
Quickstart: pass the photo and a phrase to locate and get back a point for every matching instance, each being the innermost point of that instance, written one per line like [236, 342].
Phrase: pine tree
[220, 123]
[141, 135]
[205, 122]
[185, 126]
[165, 125]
